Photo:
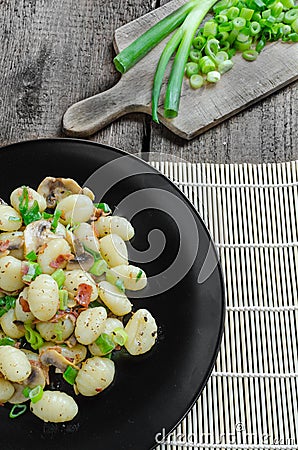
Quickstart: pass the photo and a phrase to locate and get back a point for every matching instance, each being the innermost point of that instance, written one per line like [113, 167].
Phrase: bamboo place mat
[250, 400]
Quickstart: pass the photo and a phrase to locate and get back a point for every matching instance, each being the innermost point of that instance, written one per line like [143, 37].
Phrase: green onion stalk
[148, 40]
[188, 18]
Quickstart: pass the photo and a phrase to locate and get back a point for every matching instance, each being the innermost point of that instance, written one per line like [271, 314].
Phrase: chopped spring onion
[70, 374]
[99, 268]
[63, 299]
[33, 337]
[7, 341]
[6, 303]
[119, 336]
[56, 217]
[34, 394]
[104, 206]
[196, 81]
[195, 55]
[213, 76]
[110, 277]
[59, 277]
[17, 410]
[29, 214]
[250, 55]
[32, 270]
[32, 256]
[105, 343]
[96, 255]
[46, 215]
[225, 66]
[191, 68]
[139, 274]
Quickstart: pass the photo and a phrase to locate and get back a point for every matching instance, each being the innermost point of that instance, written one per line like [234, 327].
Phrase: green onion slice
[7, 341]
[63, 299]
[70, 374]
[104, 206]
[31, 256]
[99, 268]
[17, 410]
[59, 277]
[105, 343]
[56, 217]
[119, 336]
[36, 394]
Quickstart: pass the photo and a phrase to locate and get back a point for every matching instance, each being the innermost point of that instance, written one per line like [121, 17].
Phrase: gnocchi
[114, 298]
[114, 225]
[95, 375]
[64, 272]
[55, 406]
[43, 297]
[10, 219]
[14, 364]
[10, 274]
[113, 249]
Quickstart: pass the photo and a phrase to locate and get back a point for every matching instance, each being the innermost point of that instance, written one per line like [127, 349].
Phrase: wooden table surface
[55, 53]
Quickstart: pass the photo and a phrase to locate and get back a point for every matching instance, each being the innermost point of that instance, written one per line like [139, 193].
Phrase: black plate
[150, 393]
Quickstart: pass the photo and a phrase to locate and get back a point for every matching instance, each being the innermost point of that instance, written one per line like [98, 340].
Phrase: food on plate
[64, 272]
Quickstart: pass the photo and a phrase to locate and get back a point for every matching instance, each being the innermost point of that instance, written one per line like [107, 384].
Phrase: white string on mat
[257, 245]
[263, 308]
[254, 375]
[234, 446]
[235, 186]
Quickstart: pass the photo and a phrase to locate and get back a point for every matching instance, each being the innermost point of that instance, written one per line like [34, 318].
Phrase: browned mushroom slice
[36, 378]
[82, 260]
[55, 189]
[50, 357]
[38, 233]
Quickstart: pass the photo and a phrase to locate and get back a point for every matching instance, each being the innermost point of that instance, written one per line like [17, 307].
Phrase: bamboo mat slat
[250, 400]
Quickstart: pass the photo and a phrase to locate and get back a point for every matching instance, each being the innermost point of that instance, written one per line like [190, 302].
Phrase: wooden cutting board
[199, 110]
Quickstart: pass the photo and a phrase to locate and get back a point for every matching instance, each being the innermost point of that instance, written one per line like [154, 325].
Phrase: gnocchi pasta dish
[64, 307]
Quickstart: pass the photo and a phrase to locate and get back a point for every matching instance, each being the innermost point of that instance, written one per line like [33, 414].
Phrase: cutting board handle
[88, 116]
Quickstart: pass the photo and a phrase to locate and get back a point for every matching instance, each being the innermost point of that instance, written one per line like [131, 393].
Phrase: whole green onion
[148, 40]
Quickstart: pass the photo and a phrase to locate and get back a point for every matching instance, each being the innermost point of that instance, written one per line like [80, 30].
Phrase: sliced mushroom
[50, 357]
[36, 378]
[82, 260]
[2, 202]
[37, 234]
[55, 189]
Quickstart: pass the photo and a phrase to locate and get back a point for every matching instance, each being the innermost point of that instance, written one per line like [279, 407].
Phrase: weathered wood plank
[54, 54]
